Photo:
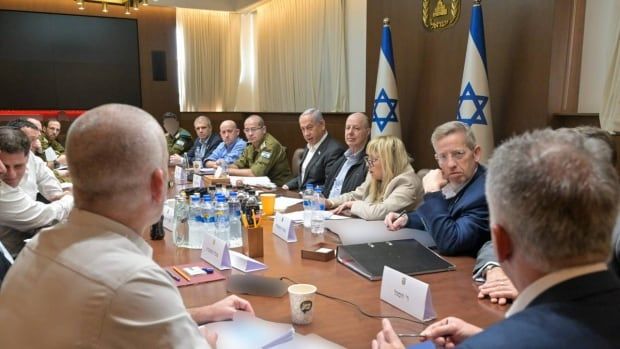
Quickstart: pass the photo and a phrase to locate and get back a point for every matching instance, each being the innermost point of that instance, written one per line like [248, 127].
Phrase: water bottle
[235, 239]
[181, 227]
[308, 196]
[318, 216]
[196, 223]
[222, 218]
[208, 214]
[219, 190]
[224, 165]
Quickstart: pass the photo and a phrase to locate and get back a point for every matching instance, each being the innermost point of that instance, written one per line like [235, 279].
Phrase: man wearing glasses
[454, 210]
[263, 156]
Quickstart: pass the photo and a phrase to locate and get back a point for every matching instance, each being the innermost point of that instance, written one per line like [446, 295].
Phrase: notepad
[247, 331]
[195, 279]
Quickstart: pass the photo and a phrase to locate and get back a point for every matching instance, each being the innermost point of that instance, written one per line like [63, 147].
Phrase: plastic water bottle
[235, 239]
[318, 216]
[196, 223]
[208, 214]
[181, 227]
[308, 196]
[222, 218]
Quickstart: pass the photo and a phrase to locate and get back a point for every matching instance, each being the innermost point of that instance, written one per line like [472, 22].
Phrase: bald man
[203, 146]
[230, 149]
[349, 171]
[119, 297]
[263, 156]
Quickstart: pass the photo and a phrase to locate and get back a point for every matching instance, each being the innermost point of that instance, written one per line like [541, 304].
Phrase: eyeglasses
[370, 162]
[252, 129]
[455, 154]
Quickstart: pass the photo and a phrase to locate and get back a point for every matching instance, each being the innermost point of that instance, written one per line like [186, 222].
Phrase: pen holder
[253, 242]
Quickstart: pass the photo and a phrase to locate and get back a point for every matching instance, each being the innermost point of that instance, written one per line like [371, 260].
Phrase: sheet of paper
[298, 216]
[282, 203]
[261, 181]
[245, 331]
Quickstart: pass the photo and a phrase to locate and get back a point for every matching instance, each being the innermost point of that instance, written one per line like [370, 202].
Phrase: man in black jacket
[320, 153]
[349, 171]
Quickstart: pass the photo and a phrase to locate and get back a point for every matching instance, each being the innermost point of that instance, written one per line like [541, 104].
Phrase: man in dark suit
[203, 146]
[454, 210]
[553, 205]
[350, 170]
[320, 153]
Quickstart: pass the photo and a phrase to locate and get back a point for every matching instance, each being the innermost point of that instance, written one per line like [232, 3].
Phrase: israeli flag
[474, 106]
[385, 115]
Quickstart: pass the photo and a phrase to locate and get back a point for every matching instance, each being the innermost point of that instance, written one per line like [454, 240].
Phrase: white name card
[245, 263]
[283, 228]
[169, 217]
[50, 154]
[215, 252]
[179, 173]
[197, 181]
[407, 294]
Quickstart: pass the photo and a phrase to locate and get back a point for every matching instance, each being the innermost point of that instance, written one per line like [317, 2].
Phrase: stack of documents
[298, 216]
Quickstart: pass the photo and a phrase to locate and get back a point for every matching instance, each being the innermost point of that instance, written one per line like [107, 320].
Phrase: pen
[172, 276]
[180, 272]
[414, 335]
[402, 213]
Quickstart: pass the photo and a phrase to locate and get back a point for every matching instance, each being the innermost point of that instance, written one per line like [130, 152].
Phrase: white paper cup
[302, 303]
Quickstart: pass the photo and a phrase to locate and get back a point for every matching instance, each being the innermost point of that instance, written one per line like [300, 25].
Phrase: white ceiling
[216, 5]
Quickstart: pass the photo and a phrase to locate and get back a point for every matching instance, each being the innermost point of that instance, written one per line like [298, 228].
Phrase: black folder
[407, 256]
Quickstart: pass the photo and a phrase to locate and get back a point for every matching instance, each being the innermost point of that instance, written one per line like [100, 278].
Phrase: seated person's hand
[393, 223]
[450, 332]
[497, 287]
[387, 338]
[176, 159]
[344, 208]
[227, 307]
[62, 159]
[433, 181]
[210, 336]
[285, 187]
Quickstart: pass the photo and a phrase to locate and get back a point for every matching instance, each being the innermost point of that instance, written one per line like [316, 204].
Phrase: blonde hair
[394, 161]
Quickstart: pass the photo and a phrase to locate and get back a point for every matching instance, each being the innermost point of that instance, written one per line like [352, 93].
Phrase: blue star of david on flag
[479, 103]
[391, 115]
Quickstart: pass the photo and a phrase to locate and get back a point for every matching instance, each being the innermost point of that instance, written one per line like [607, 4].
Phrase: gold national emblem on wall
[440, 14]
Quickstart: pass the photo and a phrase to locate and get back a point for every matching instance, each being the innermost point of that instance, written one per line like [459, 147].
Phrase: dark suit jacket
[614, 263]
[459, 225]
[354, 178]
[328, 152]
[578, 313]
[212, 142]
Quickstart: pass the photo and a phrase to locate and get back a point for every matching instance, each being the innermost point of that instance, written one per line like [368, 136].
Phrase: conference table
[453, 292]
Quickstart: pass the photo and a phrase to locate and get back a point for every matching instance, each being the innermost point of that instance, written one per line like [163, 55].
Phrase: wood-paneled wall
[520, 36]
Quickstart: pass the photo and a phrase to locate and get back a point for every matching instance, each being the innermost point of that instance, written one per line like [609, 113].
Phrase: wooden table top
[453, 293]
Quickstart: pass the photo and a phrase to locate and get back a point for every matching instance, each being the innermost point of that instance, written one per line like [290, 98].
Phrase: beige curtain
[610, 111]
[208, 59]
[301, 55]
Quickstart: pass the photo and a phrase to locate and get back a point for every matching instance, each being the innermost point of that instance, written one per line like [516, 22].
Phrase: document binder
[407, 256]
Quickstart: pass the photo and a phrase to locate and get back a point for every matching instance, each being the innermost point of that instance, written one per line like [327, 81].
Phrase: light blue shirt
[230, 153]
[352, 159]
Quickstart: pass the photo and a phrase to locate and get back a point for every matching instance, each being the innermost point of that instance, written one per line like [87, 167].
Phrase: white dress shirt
[20, 213]
[311, 150]
[38, 178]
[91, 283]
[541, 285]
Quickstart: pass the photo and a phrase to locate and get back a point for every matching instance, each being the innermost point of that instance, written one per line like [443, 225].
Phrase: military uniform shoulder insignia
[265, 154]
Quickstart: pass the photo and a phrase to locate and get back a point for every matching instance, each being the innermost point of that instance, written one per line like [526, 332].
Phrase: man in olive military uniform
[263, 156]
[179, 140]
[49, 137]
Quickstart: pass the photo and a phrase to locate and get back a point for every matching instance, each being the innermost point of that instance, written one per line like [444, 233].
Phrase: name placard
[197, 181]
[179, 173]
[283, 228]
[407, 294]
[215, 252]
